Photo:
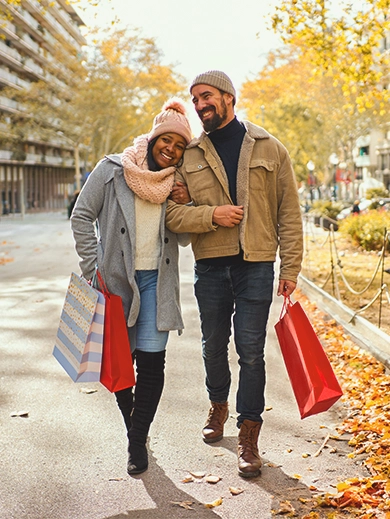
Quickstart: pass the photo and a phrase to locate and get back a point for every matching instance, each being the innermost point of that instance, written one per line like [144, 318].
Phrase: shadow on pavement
[164, 493]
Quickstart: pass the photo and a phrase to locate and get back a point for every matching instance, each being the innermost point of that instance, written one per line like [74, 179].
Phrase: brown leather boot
[213, 429]
[249, 461]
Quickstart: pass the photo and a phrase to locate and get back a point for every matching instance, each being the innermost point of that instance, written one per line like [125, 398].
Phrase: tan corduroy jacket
[267, 189]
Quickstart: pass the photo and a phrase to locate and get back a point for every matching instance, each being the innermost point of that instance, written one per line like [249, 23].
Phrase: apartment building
[36, 174]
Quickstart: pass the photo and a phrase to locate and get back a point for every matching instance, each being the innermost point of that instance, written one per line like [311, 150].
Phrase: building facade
[36, 174]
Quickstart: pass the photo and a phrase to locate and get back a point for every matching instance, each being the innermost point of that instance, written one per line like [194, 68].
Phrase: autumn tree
[126, 87]
[306, 112]
[109, 95]
[342, 40]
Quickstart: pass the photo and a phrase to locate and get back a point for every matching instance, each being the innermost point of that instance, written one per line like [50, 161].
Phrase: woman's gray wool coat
[107, 199]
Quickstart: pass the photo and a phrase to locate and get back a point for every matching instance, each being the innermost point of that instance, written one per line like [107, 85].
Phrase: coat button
[166, 240]
[123, 230]
[167, 261]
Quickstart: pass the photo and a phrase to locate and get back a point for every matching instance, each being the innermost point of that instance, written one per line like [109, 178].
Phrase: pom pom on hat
[172, 119]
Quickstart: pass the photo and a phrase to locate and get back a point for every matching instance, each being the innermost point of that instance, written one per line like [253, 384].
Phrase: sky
[229, 35]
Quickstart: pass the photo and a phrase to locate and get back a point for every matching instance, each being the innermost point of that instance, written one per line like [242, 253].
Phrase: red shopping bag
[311, 375]
[117, 371]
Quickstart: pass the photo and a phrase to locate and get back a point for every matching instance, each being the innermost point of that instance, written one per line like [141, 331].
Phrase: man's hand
[286, 287]
[228, 215]
[179, 193]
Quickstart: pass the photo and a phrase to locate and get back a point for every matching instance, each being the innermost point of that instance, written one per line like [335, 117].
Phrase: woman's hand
[179, 193]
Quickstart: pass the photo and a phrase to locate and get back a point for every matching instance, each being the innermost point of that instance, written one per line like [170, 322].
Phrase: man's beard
[214, 122]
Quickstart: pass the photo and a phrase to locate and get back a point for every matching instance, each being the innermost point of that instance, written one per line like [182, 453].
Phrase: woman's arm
[83, 221]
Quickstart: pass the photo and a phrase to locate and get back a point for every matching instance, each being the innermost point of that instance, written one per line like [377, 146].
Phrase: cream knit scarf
[153, 186]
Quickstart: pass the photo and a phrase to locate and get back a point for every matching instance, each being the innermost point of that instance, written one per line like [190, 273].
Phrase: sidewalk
[67, 458]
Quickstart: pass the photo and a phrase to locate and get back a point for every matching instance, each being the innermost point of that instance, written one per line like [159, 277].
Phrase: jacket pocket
[261, 173]
[201, 183]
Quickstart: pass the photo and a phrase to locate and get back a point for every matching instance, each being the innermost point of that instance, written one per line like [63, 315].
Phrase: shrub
[326, 208]
[367, 230]
[376, 192]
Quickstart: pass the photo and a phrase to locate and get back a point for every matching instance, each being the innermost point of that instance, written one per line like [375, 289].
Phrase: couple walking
[232, 192]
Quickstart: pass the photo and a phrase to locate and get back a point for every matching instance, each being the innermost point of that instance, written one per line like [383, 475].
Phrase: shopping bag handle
[101, 282]
[286, 302]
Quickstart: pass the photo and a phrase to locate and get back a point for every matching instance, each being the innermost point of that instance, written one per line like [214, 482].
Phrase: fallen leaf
[273, 465]
[215, 503]
[198, 475]
[116, 479]
[184, 504]
[235, 491]
[22, 414]
[297, 476]
[268, 408]
[305, 455]
[190, 479]
[286, 508]
[213, 479]
[87, 390]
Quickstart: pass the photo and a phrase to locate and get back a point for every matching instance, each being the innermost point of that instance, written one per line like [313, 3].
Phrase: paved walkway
[67, 458]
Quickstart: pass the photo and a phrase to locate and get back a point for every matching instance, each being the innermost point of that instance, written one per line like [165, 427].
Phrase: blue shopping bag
[79, 341]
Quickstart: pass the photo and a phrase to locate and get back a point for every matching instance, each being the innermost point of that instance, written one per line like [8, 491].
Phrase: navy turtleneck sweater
[227, 141]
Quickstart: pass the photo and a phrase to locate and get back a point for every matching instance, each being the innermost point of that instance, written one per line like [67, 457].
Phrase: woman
[137, 257]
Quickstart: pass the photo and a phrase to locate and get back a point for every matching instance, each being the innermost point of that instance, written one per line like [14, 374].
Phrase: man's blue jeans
[245, 292]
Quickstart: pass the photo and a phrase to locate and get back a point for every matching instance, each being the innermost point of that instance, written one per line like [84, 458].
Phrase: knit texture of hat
[217, 79]
[172, 119]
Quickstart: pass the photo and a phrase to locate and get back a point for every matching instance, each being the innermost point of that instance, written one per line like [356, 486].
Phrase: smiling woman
[137, 257]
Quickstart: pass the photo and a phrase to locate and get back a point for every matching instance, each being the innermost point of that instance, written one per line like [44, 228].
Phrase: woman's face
[168, 149]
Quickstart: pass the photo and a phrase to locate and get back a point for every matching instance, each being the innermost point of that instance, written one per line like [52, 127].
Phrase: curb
[364, 333]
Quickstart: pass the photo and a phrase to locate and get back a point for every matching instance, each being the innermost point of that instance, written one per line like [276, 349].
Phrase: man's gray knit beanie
[217, 79]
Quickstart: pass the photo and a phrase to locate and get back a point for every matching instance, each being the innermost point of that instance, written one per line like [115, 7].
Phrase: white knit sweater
[147, 226]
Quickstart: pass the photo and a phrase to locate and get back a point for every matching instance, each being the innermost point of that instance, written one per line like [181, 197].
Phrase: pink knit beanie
[172, 119]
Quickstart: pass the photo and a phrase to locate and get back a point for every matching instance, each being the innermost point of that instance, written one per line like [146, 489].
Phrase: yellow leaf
[213, 479]
[198, 475]
[215, 503]
[235, 491]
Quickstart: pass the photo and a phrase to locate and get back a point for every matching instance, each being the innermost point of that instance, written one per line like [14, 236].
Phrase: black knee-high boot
[148, 390]
[124, 399]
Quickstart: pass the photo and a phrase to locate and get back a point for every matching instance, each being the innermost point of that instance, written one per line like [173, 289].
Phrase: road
[67, 458]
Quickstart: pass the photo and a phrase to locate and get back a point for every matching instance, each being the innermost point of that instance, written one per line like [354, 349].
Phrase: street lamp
[311, 180]
[334, 160]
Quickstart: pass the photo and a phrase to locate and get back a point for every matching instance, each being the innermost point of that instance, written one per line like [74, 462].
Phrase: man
[244, 206]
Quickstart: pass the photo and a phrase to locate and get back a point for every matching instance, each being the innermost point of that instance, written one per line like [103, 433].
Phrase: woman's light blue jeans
[144, 335]
[243, 292]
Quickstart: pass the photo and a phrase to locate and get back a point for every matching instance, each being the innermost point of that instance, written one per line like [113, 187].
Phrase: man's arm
[289, 228]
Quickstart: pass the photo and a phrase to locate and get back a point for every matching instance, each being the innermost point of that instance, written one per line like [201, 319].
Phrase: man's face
[211, 107]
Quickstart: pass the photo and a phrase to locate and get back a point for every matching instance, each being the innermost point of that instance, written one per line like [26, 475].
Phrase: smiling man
[244, 208]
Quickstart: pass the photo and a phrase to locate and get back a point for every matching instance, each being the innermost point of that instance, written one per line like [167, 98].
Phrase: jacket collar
[116, 158]
[254, 131]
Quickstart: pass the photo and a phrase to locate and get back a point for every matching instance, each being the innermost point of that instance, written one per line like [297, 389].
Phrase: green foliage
[367, 230]
[376, 192]
[326, 208]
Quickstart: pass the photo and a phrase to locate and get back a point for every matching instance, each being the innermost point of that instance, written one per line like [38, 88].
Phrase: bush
[376, 192]
[326, 208]
[367, 230]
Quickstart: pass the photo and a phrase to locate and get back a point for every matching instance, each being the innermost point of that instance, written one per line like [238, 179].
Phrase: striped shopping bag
[79, 342]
